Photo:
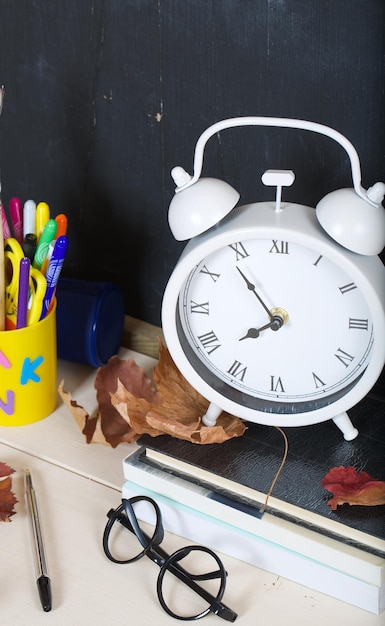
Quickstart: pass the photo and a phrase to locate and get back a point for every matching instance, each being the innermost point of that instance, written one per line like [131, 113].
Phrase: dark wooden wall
[104, 97]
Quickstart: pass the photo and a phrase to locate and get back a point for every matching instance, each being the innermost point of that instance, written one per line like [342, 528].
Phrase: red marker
[16, 213]
[4, 222]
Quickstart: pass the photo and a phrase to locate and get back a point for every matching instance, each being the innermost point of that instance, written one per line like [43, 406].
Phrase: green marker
[47, 236]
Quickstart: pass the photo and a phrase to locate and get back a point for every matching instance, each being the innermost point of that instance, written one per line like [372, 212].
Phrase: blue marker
[53, 272]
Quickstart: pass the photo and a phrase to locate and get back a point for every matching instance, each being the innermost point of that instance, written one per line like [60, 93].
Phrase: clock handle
[345, 425]
[281, 123]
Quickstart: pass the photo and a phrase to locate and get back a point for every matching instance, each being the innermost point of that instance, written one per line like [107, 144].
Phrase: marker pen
[42, 247]
[53, 272]
[6, 230]
[29, 218]
[2, 275]
[16, 213]
[42, 217]
[62, 223]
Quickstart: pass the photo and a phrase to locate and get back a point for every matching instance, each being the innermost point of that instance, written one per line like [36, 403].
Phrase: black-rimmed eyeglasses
[189, 565]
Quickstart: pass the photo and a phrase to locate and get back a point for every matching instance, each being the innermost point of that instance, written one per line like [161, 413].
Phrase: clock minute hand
[252, 288]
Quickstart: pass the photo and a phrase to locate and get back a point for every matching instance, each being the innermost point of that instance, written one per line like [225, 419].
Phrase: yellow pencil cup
[28, 378]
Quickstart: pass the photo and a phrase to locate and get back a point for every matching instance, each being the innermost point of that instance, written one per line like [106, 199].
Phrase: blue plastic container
[90, 320]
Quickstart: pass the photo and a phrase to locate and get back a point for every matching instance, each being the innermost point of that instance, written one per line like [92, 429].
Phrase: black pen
[43, 580]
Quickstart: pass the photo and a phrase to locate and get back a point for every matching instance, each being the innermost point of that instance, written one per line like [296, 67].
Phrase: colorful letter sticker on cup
[28, 381]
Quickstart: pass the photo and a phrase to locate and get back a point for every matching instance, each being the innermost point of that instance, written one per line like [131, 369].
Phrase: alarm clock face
[274, 326]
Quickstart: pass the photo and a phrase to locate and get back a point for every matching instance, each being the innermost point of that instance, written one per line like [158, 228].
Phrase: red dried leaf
[351, 487]
[7, 498]
[5, 470]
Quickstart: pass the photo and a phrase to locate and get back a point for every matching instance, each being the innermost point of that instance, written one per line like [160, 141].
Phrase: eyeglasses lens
[122, 543]
[203, 569]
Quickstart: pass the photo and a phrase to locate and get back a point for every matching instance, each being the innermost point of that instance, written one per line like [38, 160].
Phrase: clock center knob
[279, 318]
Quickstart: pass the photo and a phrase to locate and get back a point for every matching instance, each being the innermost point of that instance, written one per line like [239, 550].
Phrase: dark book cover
[253, 460]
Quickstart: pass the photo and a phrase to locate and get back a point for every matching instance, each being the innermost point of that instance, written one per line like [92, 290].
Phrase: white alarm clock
[275, 312]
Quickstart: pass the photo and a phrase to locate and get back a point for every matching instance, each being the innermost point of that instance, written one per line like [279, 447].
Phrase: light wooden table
[77, 484]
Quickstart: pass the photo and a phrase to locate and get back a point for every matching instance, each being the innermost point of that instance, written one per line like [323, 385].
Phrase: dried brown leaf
[7, 498]
[89, 425]
[176, 409]
[129, 405]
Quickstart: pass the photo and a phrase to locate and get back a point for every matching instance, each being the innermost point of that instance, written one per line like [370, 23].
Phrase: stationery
[16, 213]
[29, 218]
[2, 280]
[53, 272]
[23, 291]
[42, 217]
[43, 580]
[46, 237]
[6, 230]
[26, 258]
[30, 245]
[62, 224]
[13, 254]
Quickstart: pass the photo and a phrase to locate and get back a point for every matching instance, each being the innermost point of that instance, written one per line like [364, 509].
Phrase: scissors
[13, 255]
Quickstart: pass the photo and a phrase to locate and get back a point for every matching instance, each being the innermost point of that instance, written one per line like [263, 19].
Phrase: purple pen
[53, 272]
[16, 213]
[22, 295]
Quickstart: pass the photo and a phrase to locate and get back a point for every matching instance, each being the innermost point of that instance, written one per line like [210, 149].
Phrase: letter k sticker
[28, 370]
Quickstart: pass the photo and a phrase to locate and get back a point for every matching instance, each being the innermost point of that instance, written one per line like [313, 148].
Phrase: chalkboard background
[104, 97]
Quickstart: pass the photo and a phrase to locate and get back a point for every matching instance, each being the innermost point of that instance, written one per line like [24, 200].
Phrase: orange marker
[62, 223]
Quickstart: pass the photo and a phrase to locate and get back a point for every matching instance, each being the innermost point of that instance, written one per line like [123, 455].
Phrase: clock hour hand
[253, 333]
[252, 288]
[279, 318]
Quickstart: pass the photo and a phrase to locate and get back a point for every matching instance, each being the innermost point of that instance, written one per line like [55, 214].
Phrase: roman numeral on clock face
[344, 357]
[349, 287]
[360, 324]
[212, 275]
[240, 250]
[276, 384]
[202, 307]
[209, 341]
[237, 370]
[317, 381]
[279, 247]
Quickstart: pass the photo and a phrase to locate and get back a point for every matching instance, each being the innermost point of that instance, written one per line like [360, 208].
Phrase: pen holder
[28, 379]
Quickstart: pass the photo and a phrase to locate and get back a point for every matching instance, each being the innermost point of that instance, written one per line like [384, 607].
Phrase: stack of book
[213, 495]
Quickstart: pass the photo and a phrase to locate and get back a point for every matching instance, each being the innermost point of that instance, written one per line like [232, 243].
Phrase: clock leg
[345, 425]
[211, 415]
